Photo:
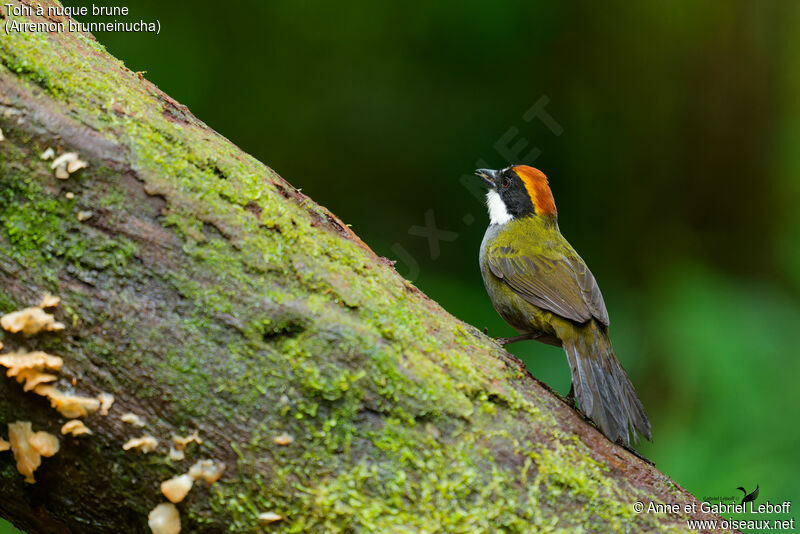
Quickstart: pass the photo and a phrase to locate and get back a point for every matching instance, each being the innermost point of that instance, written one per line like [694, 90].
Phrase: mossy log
[206, 293]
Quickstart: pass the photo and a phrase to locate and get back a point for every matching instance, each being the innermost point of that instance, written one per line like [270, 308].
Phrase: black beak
[487, 175]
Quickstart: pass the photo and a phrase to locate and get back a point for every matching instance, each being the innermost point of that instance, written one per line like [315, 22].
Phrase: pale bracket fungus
[29, 367]
[66, 164]
[284, 439]
[21, 361]
[175, 455]
[145, 444]
[49, 301]
[176, 488]
[70, 406]
[182, 442]
[33, 377]
[132, 419]
[29, 447]
[30, 321]
[179, 444]
[164, 519]
[75, 427]
[106, 401]
[208, 470]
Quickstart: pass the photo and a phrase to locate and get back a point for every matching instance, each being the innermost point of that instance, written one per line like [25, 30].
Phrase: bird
[748, 497]
[542, 288]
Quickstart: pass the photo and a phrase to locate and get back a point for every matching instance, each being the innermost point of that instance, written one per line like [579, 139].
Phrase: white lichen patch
[208, 470]
[145, 444]
[85, 215]
[269, 517]
[176, 488]
[49, 301]
[66, 164]
[70, 406]
[132, 419]
[164, 519]
[284, 439]
[29, 447]
[48, 154]
[106, 401]
[75, 427]
[30, 321]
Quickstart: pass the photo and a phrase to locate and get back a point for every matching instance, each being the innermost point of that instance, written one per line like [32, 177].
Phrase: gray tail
[604, 392]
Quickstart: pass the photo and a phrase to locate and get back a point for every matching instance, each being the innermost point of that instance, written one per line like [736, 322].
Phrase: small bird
[541, 287]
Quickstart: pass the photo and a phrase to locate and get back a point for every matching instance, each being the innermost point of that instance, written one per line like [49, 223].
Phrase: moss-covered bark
[205, 292]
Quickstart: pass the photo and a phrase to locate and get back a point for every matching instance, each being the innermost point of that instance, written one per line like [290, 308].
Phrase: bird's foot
[570, 398]
[503, 341]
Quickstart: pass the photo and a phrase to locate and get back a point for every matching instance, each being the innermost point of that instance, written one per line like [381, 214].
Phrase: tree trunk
[206, 293]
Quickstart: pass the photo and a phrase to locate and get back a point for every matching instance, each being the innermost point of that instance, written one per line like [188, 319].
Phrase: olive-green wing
[562, 285]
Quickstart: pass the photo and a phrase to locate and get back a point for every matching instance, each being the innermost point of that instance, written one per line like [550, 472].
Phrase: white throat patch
[498, 214]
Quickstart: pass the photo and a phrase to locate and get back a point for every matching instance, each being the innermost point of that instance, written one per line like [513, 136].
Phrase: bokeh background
[670, 135]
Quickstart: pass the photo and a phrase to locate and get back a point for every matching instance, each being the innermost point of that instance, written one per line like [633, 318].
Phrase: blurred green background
[670, 139]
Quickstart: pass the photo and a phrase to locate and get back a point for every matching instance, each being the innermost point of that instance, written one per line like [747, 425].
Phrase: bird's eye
[507, 183]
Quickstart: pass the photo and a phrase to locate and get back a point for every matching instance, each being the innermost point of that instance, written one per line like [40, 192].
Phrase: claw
[503, 341]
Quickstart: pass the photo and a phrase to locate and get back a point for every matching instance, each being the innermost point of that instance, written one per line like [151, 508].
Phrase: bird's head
[517, 191]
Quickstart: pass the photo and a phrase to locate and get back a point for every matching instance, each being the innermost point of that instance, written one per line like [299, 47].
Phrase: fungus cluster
[106, 401]
[164, 519]
[30, 368]
[145, 444]
[132, 419]
[30, 321]
[179, 444]
[49, 301]
[176, 488]
[36, 371]
[70, 406]
[29, 447]
[75, 427]
[66, 164]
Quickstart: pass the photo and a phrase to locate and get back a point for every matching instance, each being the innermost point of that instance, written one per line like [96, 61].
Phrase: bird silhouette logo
[748, 497]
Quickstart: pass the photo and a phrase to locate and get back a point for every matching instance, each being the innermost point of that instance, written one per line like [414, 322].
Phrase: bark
[206, 293]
